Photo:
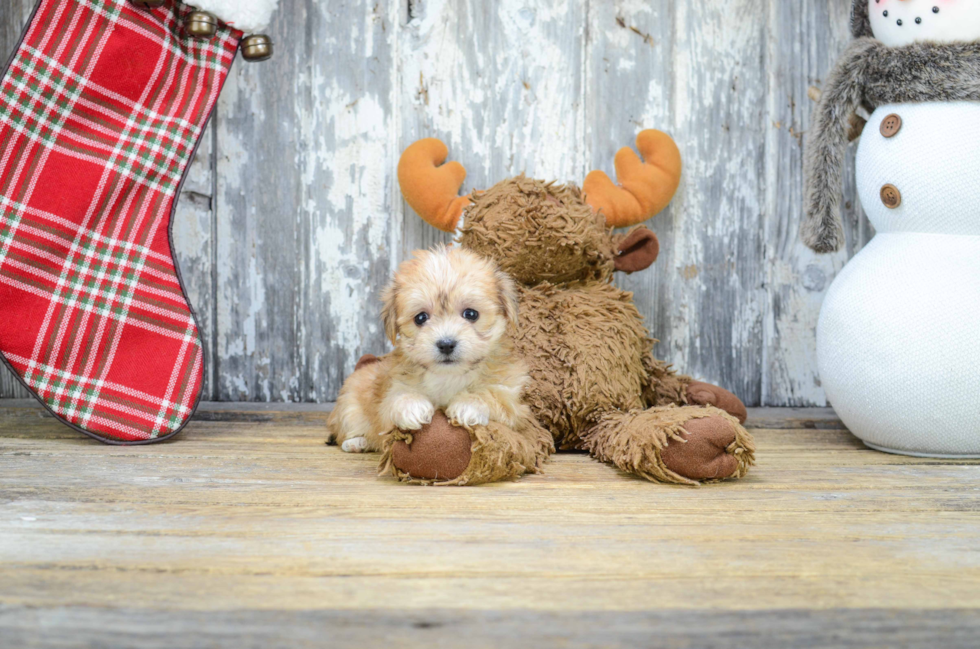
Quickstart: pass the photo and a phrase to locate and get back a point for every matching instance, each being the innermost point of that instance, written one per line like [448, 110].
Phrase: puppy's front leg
[499, 403]
[407, 410]
[469, 409]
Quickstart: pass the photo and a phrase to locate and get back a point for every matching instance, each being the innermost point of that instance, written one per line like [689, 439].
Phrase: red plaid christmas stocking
[101, 110]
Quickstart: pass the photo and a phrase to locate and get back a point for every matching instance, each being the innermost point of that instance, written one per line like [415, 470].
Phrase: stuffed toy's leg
[683, 445]
[101, 109]
[665, 387]
[442, 454]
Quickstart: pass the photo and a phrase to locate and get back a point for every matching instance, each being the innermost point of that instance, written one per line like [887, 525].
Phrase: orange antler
[430, 187]
[644, 189]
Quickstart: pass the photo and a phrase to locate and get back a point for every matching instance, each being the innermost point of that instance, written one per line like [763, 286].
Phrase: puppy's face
[448, 309]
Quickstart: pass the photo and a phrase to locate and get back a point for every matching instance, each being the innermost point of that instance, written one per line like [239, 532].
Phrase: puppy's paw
[411, 413]
[355, 445]
[468, 414]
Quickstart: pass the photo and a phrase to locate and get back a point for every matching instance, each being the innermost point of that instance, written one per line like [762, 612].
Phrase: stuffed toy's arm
[827, 141]
[249, 16]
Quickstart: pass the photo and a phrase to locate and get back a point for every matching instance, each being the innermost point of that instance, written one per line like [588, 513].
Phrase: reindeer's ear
[509, 296]
[645, 188]
[430, 186]
[637, 251]
[389, 311]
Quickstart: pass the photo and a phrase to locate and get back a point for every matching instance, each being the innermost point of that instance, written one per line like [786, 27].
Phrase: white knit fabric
[934, 160]
[250, 16]
[899, 334]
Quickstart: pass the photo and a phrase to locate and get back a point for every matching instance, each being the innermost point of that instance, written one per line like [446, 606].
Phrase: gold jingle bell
[148, 4]
[201, 24]
[257, 47]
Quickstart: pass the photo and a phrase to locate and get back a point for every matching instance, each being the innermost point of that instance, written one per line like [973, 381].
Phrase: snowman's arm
[826, 144]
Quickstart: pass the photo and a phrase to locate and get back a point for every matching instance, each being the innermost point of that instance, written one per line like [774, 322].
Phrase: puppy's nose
[446, 346]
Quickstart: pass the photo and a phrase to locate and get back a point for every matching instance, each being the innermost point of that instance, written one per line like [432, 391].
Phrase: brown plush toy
[595, 384]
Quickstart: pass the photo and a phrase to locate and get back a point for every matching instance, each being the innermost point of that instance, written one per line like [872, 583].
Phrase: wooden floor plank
[249, 520]
[70, 628]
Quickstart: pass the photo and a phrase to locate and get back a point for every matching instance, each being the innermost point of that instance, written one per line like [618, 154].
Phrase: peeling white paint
[309, 220]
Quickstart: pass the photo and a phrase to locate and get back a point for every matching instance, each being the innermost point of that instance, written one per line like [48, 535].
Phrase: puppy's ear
[389, 311]
[509, 297]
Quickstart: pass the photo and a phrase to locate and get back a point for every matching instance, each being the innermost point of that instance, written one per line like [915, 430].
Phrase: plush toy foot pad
[705, 394]
[703, 455]
[438, 452]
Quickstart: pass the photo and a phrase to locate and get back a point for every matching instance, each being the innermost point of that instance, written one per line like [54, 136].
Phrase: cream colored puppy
[446, 312]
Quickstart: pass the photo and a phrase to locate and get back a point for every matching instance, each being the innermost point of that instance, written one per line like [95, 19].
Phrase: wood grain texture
[292, 220]
[72, 627]
[695, 70]
[304, 203]
[501, 83]
[797, 279]
[193, 240]
[250, 525]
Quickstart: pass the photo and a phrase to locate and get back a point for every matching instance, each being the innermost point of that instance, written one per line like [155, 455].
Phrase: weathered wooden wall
[292, 220]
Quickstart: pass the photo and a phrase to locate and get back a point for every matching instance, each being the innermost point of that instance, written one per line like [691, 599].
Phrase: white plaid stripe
[23, 246]
[54, 396]
[16, 219]
[161, 419]
[175, 297]
[133, 322]
[132, 168]
[99, 286]
[108, 300]
[132, 107]
[45, 118]
[191, 332]
[179, 49]
[69, 266]
[82, 381]
[97, 238]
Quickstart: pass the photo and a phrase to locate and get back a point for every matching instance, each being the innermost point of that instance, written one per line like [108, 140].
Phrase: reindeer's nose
[446, 346]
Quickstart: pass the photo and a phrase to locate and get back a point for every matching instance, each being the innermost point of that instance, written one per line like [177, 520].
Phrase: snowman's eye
[885, 14]
[935, 10]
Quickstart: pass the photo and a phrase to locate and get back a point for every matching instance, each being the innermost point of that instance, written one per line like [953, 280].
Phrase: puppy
[447, 313]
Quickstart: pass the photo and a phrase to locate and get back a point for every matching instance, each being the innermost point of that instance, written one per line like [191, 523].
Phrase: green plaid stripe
[153, 156]
[62, 387]
[83, 49]
[114, 286]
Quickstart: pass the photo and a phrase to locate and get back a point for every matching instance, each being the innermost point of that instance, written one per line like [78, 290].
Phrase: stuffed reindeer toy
[898, 350]
[594, 382]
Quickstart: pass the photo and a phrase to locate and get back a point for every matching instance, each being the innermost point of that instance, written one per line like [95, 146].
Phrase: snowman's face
[901, 22]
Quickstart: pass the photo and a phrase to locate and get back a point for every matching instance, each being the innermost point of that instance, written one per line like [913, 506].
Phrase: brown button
[891, 197]
[891, 125]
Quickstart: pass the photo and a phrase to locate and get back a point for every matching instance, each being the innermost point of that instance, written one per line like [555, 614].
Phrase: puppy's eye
[471, 315]
[421, 319]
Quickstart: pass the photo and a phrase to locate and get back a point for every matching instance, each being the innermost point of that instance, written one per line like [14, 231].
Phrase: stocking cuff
[250, 16]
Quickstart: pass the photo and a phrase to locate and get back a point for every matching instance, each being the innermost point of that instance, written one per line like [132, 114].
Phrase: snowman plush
[899, 334]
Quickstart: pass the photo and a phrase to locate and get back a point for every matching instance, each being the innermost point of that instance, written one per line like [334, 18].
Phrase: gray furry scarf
[871, 74]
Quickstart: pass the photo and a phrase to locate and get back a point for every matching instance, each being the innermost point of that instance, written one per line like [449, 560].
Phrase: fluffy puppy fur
[447, 313]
